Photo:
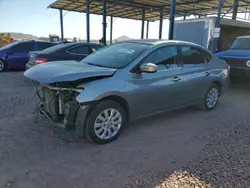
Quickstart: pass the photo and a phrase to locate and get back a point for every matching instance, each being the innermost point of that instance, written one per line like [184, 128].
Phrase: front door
[162, 90]
[17, 57]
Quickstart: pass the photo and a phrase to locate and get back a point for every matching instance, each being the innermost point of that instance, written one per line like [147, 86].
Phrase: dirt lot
[178, 149]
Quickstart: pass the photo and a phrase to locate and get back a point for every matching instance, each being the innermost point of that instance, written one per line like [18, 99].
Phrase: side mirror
[148, 68]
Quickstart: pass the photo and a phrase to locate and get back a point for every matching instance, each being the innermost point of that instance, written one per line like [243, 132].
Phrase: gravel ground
[187, 148]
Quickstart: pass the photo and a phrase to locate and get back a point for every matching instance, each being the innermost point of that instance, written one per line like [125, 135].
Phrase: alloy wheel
[1, 65]
[108, 123]
[212, 97]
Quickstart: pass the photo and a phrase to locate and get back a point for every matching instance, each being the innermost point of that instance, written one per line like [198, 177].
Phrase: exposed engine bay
[57, 101]
[58, 104]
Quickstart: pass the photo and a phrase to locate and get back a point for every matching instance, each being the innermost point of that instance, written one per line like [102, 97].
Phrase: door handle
[176, 79]
[207, 74]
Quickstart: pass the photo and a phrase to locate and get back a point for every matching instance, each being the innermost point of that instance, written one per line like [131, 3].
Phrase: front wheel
[105, 122]
[211, 98]
[2, 65]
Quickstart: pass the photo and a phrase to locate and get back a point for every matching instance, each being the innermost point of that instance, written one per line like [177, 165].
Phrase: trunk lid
[65, 71]
[36, 54]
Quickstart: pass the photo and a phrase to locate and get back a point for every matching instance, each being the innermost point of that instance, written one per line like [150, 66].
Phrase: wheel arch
[219, 84]
[5, 62]
[82, 115]
[120, 100]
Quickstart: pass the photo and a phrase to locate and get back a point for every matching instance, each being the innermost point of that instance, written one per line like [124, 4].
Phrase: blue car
[15, 55]
[238, 57]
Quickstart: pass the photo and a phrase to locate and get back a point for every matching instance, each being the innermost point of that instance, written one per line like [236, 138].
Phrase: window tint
[23, 47]
[241, 43]
[94, 48]
[207, 56]
[164, 58]
[8, 46]
[56, 48]
[194, 56]
[79, 50]
[44, 45]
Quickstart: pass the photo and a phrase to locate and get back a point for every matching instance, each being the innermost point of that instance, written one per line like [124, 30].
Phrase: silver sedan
[126, 81]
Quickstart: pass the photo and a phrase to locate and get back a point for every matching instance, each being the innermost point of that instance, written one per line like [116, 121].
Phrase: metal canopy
[132, 9]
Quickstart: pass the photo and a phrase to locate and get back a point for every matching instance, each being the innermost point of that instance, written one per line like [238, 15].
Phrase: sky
[33, 17]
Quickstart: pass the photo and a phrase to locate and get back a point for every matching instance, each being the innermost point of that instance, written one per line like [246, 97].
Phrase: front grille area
[236, 62]
[51, 105]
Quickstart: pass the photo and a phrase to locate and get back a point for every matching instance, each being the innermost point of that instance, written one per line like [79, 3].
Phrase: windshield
[241, 43]
[9, 45]
[116, 56]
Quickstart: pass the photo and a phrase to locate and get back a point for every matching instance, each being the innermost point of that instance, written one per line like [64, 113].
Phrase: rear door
[79, 52]
[18, 55]
[196, 71]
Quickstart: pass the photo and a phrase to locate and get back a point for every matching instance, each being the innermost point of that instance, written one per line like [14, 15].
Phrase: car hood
[236, 53]
[65, 71]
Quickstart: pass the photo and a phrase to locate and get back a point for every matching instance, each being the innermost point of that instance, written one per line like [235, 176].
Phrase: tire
[2, 65]
[214, 92]
[100, 132]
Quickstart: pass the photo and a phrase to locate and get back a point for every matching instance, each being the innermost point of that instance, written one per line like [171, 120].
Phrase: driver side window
[23, 47]
[164, 58]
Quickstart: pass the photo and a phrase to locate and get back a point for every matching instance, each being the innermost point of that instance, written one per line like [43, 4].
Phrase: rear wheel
[211, 98]
[2, 65]
[105, 122]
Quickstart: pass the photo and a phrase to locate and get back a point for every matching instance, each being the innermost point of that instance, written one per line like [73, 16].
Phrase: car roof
[77, 43]
[157, 42]
[40, 41]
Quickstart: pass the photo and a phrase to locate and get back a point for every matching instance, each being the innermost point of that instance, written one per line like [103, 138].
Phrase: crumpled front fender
[97, 90]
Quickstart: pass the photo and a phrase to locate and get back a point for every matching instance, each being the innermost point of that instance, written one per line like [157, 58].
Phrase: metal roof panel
[131, 9]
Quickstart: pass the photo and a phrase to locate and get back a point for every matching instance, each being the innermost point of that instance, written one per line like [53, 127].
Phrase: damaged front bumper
[60, 107]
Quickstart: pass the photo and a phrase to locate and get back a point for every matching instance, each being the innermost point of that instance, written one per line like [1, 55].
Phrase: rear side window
[94, 48]
[194, 56]
[81, 50]
[23, 47]
[44, 45]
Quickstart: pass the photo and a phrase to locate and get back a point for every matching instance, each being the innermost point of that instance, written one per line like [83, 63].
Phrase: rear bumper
[225, 85]
[28, 66]
[240, 71]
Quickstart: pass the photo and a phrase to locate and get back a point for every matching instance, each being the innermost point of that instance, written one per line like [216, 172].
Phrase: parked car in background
[15, 55]
[126, 81]
[66, 51]
[238, 57]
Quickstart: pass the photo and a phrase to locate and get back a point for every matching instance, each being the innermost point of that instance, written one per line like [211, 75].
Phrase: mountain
[122, 38]
[21, 36]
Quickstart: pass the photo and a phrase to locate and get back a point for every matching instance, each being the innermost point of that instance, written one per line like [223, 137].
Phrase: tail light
[227, 67]
[40, 60]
